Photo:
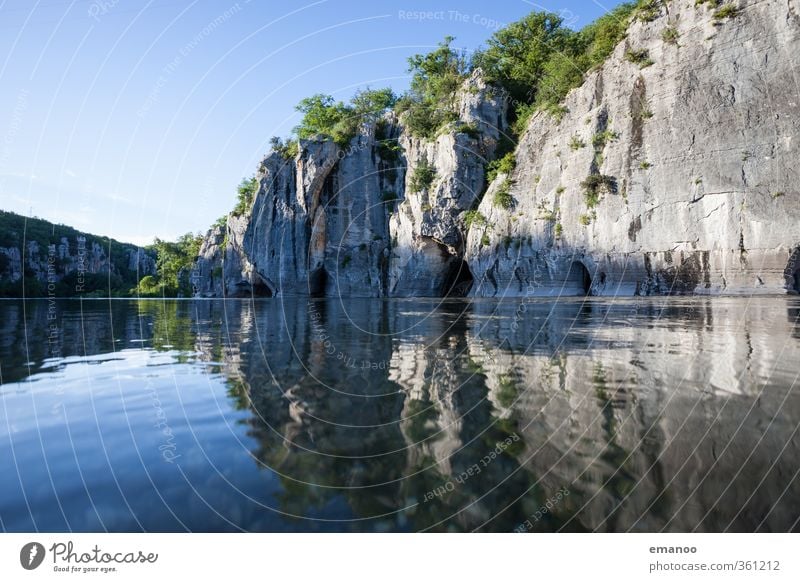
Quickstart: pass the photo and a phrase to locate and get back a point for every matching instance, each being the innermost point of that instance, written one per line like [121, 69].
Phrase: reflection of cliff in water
[658, 413]
[661, 415]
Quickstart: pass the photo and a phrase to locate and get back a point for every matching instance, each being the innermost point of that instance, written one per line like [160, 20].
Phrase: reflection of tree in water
[688, 422]
[317, 419]
[399, 432]
[620, 481]
[171, 325]
[620, 436]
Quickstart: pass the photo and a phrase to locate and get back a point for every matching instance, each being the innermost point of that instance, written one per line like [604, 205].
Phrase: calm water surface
[639, 414]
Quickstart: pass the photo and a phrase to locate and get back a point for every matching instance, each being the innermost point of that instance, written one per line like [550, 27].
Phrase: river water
[598, 414]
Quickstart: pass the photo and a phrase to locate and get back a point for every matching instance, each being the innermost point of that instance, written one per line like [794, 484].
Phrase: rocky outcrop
[58, 260]
[349, 221]
[668, 171]
[670, 177]
[318, 224]
[428, 227]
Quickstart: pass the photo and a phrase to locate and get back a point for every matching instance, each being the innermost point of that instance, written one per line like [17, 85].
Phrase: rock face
[690, 161]
[60, 260]
[669, 171]
[428, 227]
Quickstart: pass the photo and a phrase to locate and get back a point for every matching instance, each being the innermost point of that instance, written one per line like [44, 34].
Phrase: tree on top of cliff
[517, 55]
[538, 60]
[324, 117]
[245, 192]
[430, 102]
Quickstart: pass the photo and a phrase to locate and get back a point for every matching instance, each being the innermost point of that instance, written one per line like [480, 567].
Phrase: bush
[638, 57]
[595, 185]
[469, 129]
[245, 193]
[474, 217]
[148, 286]
[600, 139]
[576, 143]
[649, 10]
[430, 102]
[727, 11]
[504, 165]
[287, 150]
[174, 260]
[423, 176]
[502, 196]
[324, 117]
[389, 148]
[585, 50]
[537, 60]
[369, 104]
[670, 35]
[518, 55]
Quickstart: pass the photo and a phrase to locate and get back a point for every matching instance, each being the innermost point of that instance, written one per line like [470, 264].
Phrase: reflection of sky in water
[651, 414]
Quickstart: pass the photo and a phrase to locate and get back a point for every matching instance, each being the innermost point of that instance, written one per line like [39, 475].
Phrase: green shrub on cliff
[538, 60]
[436, 77]
[324, 117]
[245, 193]
[474, 218]
[502, 196]
[288, 150]
[504, 165]
[517, 55]
[423, 176]
[726, 11]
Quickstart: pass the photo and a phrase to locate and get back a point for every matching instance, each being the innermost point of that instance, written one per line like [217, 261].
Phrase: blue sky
[137, 118]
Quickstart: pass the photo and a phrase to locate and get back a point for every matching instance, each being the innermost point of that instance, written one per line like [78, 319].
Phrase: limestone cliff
[41, 258]
[670, 170]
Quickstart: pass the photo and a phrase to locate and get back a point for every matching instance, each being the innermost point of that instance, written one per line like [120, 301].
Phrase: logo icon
[31, 555]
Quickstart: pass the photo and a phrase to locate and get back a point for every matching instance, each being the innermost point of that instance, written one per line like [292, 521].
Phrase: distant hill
[42, 259]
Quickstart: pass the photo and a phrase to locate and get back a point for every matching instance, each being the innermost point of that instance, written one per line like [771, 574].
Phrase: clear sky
[138, 118]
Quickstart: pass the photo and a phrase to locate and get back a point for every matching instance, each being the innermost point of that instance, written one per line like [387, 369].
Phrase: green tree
[324, 117]
[518, 54]
[436, 77]
[174, 261]
[245, 193]
[370, 104]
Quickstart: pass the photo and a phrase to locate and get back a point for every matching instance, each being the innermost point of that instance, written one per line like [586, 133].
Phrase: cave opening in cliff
[261, 289]
[459, 280]
[579, 278]
[797, 280]
[318, 282]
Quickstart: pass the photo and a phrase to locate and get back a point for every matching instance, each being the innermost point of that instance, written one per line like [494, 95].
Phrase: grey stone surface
[696, 184]
[702, 192]
[71, 255]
